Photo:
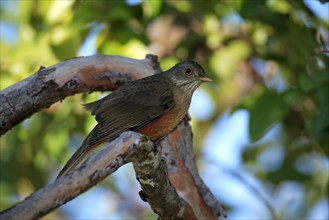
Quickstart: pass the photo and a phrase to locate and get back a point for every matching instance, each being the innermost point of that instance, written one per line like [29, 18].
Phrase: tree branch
[101, 72]
[128, 147]
[156, 188]
[177, 150]
[76, 75]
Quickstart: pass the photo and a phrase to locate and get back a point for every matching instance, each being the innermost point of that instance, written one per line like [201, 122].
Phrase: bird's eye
[188, 71]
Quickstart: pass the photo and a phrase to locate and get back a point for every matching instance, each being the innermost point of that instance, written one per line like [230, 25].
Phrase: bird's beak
[205, 79]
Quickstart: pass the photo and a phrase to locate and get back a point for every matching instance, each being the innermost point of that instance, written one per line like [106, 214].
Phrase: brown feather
[123, 110]
[152, 106]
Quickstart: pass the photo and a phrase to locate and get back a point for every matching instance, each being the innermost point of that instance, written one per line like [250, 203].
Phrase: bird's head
[188, 74]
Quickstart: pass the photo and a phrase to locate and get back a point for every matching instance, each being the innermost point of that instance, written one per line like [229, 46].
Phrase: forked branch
[174, 191]
[129, 147]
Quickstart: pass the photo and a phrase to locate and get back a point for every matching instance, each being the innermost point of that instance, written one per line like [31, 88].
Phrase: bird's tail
[80, 155]
[77, 158]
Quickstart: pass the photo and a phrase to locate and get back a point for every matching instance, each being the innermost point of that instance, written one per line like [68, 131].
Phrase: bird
[152, 106]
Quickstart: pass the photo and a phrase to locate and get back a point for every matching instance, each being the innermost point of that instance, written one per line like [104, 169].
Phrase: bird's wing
[131, 108]
[127, 108]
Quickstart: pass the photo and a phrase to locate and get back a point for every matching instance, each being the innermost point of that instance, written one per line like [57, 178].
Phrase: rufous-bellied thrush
[152, 106]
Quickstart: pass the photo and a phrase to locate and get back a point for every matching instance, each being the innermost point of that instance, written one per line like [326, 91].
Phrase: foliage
[263, 55]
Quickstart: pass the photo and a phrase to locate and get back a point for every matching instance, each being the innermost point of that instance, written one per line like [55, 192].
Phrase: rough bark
[129, 147]
[54, 83]
[177, 150]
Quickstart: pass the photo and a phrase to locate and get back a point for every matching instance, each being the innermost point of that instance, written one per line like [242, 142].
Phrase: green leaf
[310, 82]
[269, 108]
[318, 126]
[65, 50]
[306, 83]
[152, 8]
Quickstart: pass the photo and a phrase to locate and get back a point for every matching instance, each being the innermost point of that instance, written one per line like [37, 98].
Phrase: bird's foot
[143, 196]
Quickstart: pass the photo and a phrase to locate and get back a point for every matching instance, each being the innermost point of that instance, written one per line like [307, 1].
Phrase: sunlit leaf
[152, 8]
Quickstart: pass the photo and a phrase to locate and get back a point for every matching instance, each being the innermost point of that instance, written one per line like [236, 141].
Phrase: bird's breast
[164, 124]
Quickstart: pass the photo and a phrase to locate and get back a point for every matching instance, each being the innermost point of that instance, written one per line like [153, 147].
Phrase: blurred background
[261, 130]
